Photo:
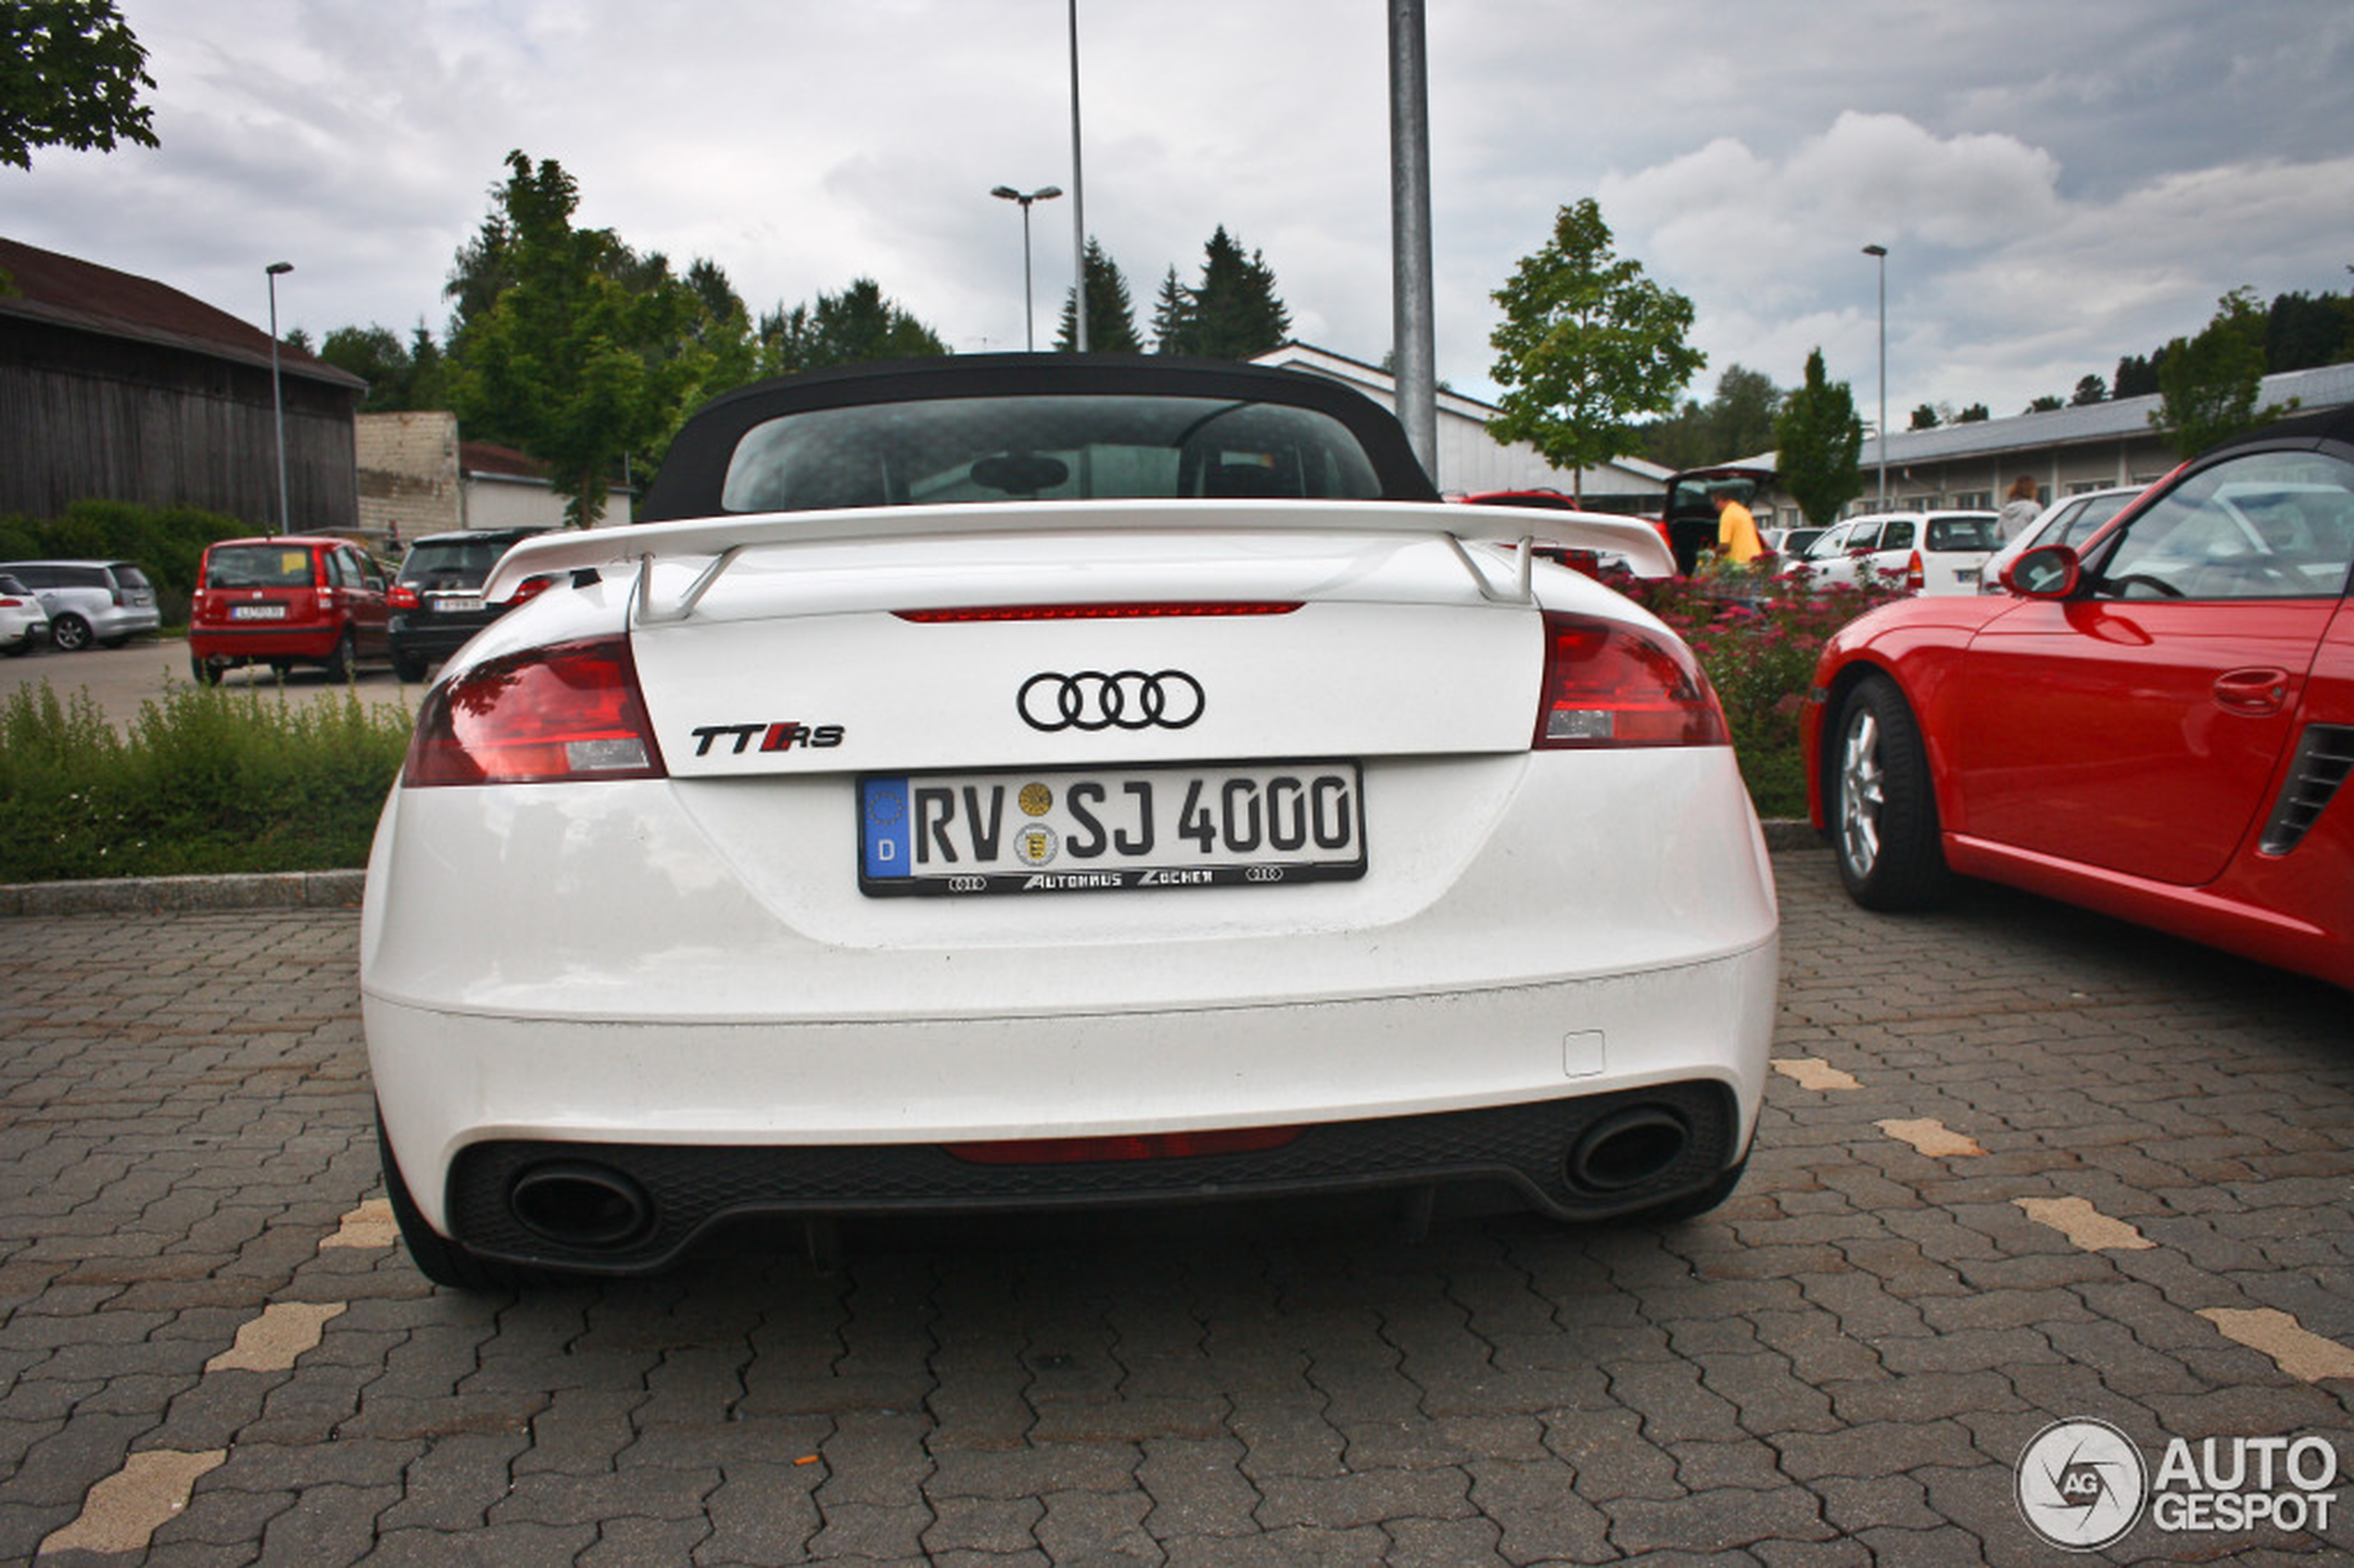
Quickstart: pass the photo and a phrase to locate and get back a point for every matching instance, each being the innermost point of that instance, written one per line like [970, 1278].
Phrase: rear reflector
[1608, 684]
[571, 711]
[1127, 1146]
[1091, 611]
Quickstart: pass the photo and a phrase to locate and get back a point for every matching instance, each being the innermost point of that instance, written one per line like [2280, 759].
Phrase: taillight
[1914, 577]
[569, 712]
[1608, 684]
[532, 588]
[401, 596]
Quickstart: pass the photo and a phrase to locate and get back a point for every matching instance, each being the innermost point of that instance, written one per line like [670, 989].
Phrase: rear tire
[408, 669]
[340, 661]
[1882, 805]
[205, 672]
[443, 1261]
[69, 633]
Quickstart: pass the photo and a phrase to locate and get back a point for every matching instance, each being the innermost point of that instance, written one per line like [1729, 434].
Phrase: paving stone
[1841, 1365]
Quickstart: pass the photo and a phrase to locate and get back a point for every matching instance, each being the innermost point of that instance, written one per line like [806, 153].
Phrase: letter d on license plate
[1111, 829]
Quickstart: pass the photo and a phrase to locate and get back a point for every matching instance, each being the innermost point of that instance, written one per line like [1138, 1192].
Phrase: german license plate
[1111, 829]
[257, 612]
[453, 605]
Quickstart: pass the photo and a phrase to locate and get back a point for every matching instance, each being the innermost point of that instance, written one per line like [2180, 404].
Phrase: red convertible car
[2155, 724]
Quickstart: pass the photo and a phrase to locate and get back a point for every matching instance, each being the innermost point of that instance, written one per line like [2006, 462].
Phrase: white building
[1469, 460]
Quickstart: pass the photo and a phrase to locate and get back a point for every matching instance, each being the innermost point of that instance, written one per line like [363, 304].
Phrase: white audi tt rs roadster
[1056, 781]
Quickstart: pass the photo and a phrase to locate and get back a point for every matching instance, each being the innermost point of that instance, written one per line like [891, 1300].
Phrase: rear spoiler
[718, 541]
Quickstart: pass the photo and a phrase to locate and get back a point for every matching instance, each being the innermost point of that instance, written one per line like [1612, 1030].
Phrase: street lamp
[1030, 331]
[277, 398]
[1880, 254]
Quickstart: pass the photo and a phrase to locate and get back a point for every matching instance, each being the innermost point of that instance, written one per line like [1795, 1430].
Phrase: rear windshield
[130, 577]
[1070, 447]
[1962, 533]
[257, 565]
[451, 563]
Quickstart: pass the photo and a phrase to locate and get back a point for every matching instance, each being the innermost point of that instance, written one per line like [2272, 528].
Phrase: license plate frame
[257, 612]
[456, 604]
[1248, 823]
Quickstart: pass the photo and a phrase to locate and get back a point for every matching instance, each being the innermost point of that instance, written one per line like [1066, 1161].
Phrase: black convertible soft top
[693, 480]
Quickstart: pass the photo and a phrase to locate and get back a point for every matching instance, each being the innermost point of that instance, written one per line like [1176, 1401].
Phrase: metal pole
[1880, 253]
[1412, 317]
[277, 398]
[1028, 323]
[1077, 196]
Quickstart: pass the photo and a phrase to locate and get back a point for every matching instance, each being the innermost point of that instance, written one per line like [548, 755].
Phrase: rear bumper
[565, 969]
[1584, 1157]
[263, 642]
[433, 638]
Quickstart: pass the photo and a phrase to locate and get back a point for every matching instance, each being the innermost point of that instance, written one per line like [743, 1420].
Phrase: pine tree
[1236, 312]
[1172, 316]
[1111, 315]
[1820, 439]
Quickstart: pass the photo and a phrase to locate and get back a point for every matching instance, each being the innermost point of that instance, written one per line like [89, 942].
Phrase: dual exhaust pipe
[586, 1207]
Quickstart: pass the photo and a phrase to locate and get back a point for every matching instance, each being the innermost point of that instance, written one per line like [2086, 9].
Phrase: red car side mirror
[2045, 572]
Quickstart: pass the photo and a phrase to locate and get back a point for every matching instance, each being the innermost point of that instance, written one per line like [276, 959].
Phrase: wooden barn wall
[86, 416]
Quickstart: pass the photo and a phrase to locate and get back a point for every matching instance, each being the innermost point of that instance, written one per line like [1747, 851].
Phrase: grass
[207, 781]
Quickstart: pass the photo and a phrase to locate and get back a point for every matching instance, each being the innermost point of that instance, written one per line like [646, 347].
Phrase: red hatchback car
[2156, 724]
[286, 600]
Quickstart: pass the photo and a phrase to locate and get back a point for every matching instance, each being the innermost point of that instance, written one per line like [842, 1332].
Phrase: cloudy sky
[2057, 184]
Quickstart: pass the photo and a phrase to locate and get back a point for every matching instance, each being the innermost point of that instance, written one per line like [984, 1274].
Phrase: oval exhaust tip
[1628, 1149]
[581, 1204]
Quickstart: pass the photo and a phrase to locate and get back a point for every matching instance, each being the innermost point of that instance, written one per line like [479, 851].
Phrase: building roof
[63, 291]
[1296, 355]
[490, 460]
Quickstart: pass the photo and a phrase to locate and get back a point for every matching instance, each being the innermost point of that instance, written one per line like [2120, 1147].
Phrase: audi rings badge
[1124, 700]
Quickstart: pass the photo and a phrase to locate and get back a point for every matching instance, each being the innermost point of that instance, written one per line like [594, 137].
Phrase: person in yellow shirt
[1736, 539]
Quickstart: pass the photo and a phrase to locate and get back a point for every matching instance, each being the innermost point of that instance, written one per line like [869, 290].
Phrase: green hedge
[167, 541]
[207, 782]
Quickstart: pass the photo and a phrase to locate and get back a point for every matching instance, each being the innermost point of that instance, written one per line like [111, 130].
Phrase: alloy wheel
[1862, 793]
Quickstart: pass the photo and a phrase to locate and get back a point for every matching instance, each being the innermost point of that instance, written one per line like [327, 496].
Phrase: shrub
[1758, 638]
[207, 782]
[167, 541]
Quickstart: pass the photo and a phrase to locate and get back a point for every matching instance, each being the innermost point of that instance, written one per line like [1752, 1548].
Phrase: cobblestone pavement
[2017, 1165]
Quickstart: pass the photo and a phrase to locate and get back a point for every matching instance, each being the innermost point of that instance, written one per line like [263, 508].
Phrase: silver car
[108, 602]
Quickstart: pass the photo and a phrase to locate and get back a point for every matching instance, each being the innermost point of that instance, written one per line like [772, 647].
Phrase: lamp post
[277, 398]
[1880, 254]
[1029, 330]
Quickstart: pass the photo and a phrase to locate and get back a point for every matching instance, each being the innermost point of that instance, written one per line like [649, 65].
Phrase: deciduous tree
[70, 72]
[1588, 346]
[567, 361]
[857, 326]
[2208, 384]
